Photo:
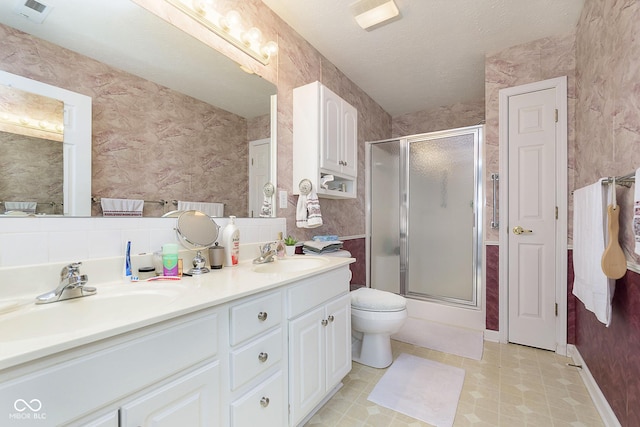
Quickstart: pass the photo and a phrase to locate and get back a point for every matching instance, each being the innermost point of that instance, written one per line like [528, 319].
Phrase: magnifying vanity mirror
[168, 111]
[197, 231]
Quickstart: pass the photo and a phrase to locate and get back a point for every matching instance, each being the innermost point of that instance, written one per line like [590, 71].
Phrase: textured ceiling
[434, 55]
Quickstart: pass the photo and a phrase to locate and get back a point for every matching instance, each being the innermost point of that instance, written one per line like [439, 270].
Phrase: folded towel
[317, 247]
[636, 212]
[590, 284]
[265, 211]
[325, 238]
[301, 211]
[122, 207]
[314, 217]
[26, 207]
[211, 209]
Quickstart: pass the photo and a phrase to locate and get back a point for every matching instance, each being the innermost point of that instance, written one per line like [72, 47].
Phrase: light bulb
[231, 21]
[201, 6]
[269, 49]
[252, 36]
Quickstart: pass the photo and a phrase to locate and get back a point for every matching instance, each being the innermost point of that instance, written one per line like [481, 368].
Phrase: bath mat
[419, 388]
[447, 339]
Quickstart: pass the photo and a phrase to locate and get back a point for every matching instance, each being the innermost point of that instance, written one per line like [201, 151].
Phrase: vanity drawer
[263, 406]
[254, 317]
[255, 358]
[316, 290]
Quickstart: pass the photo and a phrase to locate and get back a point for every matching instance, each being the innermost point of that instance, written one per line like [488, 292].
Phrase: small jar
[146, 272]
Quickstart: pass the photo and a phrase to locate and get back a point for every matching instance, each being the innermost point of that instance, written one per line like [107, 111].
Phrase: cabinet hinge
[556, 115]
[556, 309]
[556, 212]
[252, 157]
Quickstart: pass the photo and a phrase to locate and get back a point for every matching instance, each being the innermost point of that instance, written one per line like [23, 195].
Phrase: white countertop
[29, 331]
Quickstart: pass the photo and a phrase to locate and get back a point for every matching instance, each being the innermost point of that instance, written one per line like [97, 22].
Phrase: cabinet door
[349, 140]
[338, 340]
[306, 364]
[192, 400]
[330, 130]
[106, 420]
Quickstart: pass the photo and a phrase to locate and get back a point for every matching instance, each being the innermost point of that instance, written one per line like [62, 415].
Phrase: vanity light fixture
[370, 14]
[229, 27]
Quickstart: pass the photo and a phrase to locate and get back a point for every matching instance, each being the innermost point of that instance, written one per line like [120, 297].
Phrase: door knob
[519, 230]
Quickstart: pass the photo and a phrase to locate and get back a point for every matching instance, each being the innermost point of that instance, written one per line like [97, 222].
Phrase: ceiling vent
[34, 11]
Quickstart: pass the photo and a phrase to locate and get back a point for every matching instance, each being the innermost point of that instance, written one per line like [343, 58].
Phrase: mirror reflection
[172, 119]
[31, 153]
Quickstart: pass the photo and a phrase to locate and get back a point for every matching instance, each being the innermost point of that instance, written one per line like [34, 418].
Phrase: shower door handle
[519, 230]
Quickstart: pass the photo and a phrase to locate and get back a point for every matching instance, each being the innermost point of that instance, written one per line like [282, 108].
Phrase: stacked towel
[636, 212]
[316, 247]
[26, 207]
[122, 207]
[211, 209]
[590, 284]
[265, 211]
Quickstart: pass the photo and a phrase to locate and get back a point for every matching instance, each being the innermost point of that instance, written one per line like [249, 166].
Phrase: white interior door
[259, 173]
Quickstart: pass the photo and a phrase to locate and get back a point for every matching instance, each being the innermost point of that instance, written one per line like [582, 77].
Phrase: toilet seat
[367, 299]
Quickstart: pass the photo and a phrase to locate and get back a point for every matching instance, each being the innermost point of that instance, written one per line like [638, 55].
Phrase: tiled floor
[511, 386]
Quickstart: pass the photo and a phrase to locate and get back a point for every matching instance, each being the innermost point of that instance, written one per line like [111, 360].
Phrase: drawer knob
[324, 322]
[262, 316]
[263, 357]
[331, 318]
[264, 402]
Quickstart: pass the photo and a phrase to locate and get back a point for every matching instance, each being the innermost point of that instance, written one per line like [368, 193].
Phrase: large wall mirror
[172, 119]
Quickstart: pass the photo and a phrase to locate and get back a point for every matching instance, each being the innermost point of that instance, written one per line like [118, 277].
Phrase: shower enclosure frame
[475, 303]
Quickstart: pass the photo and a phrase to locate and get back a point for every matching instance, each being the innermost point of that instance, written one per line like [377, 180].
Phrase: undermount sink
[75, 315]
[293, 264]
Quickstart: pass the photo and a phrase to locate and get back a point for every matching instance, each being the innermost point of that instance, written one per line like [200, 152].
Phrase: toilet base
[374, 350]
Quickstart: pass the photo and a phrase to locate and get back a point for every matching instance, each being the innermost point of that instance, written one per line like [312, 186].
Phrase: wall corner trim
[604, 409]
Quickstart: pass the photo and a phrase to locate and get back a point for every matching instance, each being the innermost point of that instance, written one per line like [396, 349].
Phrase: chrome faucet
[267, 254]
[72, 285]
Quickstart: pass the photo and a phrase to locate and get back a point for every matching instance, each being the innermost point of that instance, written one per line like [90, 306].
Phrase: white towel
[590, 284]
[122, 207]
[211, 209]
[265, 211]
[314, 217]
[26, 207]
[636, 212]
[301, 211]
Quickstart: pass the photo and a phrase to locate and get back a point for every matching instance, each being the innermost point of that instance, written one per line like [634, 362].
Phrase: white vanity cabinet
[258, 361]
[143, 372]
[319, 341]
[325, 141]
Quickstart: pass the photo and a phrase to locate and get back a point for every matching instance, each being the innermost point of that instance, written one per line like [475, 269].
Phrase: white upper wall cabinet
[325, 141]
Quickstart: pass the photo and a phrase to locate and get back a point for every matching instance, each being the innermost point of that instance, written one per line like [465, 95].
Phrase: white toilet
[375, 316]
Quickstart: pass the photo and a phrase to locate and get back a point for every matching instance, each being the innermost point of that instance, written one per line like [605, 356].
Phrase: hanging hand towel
[122, 207]
[314, 217]
[636, 212]
[26, 207]
[211, 209]
[590, 284]
[265, 211]
[301, 211]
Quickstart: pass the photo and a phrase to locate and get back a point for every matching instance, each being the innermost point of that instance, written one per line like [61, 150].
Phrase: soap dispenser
[280, 247]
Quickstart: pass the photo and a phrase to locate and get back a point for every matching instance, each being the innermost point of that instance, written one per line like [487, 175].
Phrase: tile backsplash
[43, 240]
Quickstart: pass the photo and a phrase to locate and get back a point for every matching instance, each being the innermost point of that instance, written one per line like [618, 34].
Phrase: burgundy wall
[492, 285]
[358, 269]
[613, 354]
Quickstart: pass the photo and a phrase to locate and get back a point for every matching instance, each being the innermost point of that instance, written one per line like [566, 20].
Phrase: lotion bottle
[231, 243]
[280, 248]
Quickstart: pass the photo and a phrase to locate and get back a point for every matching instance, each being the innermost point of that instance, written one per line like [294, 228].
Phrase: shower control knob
[519, 230]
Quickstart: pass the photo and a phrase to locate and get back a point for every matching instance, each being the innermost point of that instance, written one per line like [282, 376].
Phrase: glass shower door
[385, 216]
[442, 239]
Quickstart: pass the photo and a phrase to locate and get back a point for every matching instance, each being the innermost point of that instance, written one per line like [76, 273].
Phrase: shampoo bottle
[231, 243]
[280, 249]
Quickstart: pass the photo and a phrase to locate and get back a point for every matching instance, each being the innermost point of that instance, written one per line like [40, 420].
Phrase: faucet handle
[70, 270]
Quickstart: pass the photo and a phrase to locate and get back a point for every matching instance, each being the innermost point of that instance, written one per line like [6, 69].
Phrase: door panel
[532, 204]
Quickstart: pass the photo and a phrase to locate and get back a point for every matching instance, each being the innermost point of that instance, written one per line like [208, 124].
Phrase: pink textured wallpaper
[446, 117]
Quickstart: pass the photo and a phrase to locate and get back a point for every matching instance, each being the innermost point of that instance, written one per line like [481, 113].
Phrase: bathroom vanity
[235, 347]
